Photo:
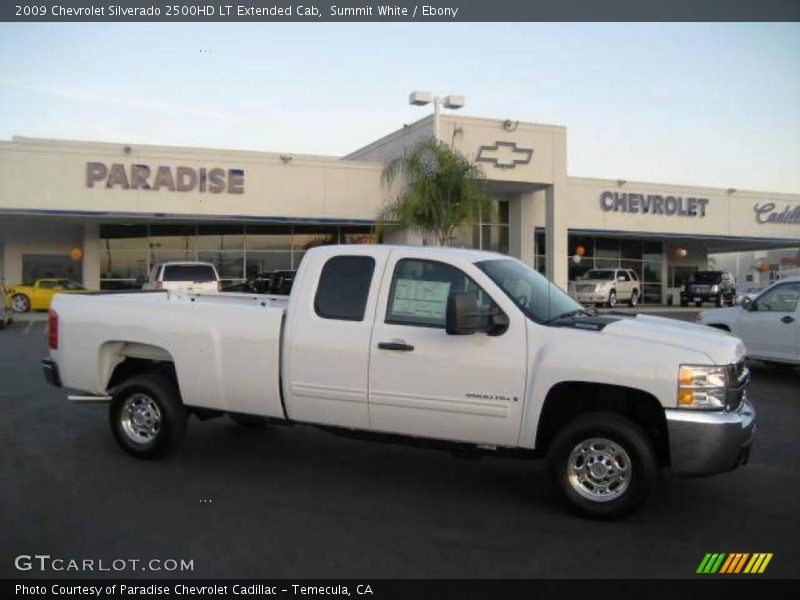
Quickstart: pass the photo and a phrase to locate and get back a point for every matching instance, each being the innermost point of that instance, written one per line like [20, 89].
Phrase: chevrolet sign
[505, 155]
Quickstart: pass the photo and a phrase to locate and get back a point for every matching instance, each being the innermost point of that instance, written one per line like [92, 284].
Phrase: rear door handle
[400, 346]
[787, 319]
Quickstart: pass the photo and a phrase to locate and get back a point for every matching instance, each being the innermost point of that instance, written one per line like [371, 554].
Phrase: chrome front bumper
[705, 443]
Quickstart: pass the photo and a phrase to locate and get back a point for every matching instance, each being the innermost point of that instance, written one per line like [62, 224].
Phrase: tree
[443, 191]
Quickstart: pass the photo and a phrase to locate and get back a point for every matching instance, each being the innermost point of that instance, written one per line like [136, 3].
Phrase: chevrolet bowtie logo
[505, 155]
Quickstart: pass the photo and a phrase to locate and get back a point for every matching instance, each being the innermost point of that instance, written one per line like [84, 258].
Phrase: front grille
[738, 380]
[584, 288]
[700, 289]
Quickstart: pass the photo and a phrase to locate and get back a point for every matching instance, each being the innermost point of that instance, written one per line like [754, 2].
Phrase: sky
[695, 104]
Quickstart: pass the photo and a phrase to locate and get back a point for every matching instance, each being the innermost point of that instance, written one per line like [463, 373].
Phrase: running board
[88, 398]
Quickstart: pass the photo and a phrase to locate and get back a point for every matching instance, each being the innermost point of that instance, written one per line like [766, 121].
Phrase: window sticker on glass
[420, 299]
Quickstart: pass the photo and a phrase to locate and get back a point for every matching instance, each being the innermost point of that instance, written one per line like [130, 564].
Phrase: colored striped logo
[736, 562]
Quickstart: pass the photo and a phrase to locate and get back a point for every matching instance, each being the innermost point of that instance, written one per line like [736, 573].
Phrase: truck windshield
[602, 275]
[535, 296]
[706, 277]
[197, 273]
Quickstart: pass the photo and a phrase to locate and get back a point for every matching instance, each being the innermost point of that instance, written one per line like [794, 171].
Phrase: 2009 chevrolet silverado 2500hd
[456, 347]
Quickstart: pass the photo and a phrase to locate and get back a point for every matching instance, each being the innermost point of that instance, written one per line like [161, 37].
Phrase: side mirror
[748, 303]
[464, 318]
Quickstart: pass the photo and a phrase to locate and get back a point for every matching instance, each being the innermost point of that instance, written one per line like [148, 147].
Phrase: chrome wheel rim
[612, 299]
[19, 304]
[140, 418]
[634, 298]
[599, 469]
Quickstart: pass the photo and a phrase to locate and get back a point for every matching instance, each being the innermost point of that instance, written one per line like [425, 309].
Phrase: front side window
[624, 276]
[48, 285]
[781, 298]
[419, 292]
[344, 288]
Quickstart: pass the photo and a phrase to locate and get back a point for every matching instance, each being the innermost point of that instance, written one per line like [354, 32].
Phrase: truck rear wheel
[147, 417]
[604, 465]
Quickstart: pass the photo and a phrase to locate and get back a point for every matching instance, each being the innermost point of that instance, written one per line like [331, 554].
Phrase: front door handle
[401, 346]
[787, 319]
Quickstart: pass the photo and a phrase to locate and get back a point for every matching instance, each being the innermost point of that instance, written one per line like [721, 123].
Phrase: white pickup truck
[455, 348]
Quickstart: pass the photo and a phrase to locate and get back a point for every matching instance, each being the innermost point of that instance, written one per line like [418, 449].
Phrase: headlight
[715, 288]
[702, 387]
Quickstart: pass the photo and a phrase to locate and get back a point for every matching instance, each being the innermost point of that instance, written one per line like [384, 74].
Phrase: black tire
[698, 304]
[612, 299]
[718, 301]
[20, 303]
[171, 424]
[634, 298]
[250, 421]
[622, 432]
[684, 303]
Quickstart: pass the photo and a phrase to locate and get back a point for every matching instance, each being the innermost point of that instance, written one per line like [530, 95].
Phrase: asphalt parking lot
[298, 502]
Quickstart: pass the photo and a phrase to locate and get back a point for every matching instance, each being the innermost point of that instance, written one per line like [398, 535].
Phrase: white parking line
[28, 328]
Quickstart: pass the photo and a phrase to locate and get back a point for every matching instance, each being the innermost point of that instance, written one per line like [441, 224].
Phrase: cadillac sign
[769, 213]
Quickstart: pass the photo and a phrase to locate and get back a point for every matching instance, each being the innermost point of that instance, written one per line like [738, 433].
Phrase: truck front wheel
[147, 417]
[604, 465]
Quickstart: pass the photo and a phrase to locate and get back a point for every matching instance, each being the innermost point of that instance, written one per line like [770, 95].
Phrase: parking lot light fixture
[451, 101]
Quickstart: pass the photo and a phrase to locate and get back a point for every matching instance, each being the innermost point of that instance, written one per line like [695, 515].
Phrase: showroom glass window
[238, 251]
[490, 234]
[343, 288]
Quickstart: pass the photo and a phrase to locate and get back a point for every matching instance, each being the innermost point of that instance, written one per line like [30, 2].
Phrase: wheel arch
[721, 326]
[567, 400]
[120, 360]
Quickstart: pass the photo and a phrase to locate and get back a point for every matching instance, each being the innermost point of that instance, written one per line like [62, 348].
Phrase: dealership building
[104, 213]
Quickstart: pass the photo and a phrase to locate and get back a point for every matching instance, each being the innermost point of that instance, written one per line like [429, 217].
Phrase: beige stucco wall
[727, 213]
[47, 175]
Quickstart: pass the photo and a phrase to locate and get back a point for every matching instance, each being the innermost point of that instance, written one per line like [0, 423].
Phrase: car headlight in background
[702, 387]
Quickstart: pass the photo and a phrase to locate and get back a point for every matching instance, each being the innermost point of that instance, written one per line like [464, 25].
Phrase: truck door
[427, 383]
[327, 337]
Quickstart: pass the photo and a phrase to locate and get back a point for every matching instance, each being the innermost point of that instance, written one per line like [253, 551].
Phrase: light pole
[450, 101]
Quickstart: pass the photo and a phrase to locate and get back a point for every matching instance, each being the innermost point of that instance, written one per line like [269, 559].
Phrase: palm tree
[442, 191]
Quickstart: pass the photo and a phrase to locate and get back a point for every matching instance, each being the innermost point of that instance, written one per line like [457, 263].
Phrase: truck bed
[225, 347]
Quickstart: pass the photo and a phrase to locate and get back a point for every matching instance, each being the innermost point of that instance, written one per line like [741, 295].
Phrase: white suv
[607, 286]
[186, 276]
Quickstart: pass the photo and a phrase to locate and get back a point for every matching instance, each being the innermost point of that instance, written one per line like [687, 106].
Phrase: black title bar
[399, 10]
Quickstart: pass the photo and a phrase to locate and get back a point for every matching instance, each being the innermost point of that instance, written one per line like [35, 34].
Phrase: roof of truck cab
[434, 252]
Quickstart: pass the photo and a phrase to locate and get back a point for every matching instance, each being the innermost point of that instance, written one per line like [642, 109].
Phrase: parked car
[769, 325]
[718, 287]
[748, 291]
[608, 286]
[187, 276]
[5, 316]
[453, 348]
[38, 295]
[273, 282]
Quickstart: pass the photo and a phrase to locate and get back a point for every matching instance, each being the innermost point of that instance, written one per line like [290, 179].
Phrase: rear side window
[344, 287]
[189, 273]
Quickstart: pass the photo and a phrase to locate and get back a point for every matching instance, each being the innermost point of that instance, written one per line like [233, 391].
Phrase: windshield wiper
[572, 314]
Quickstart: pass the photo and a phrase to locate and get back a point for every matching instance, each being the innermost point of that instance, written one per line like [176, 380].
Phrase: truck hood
[720, 347]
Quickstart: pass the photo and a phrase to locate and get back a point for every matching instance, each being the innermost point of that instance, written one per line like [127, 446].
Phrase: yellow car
[22, 298]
